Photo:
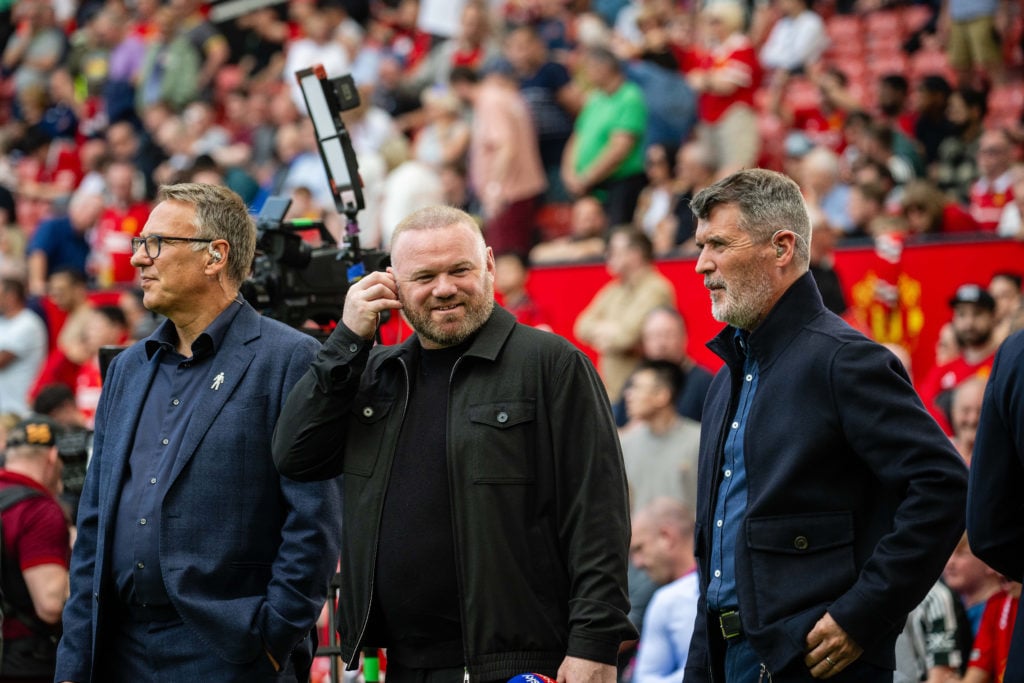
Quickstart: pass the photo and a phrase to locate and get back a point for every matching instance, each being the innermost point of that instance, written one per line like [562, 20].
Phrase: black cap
[35, 430]
[973, 294]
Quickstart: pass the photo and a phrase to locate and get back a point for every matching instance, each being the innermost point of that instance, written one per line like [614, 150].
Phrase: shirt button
[140, 565]
[728, 473]
[142, 521]
[503, 417]
[367, 411]
[735, 425]
[719, 524]
[152, 480]
[165, 441]
[800, 543]
[353, 348]
[175, 402]
[750, 378]
[718, 574]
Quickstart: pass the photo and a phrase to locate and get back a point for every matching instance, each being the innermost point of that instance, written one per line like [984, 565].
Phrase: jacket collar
[487, 344]
[800, 304]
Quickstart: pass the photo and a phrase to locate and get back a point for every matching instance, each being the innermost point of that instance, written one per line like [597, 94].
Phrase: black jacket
[538, 492]
[855, 498]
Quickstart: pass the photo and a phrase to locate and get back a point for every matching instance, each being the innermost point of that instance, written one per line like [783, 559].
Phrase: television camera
[292, 280]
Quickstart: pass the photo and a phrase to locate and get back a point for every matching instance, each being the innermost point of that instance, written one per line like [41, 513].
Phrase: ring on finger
[829, 660]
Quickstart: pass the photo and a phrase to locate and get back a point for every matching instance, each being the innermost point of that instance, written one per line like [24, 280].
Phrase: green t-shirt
[603, 115]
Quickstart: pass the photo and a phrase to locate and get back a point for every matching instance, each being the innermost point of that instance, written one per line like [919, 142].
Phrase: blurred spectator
[316, 46]
[662, 546]
[974, 324]
[821, 265]
[822, 188]
[104, 326]
[1005, 288]
[170, 69]
[930, 211]
[392, 92]
[125, 61]
[36, 47]
[445, 137]
[604, 155]
[866, 203]
[973, 580]
[473, 47]
[62, 242]
[659, 446]
[654, 206]
[934, 644]
[933, 125]
[727, 78]
[994, 188]
[588, 226]
[57, 402]
[796, 39]
[695, 169]
[663, 338]
[504, 163]
[947, 346]
[49, 169]
[992, 643]
[964, 413]
[550, 93]
[455, 186]
[69, 295]
[957, 168]
[671, 103]
[121, 220]
[368, 125]
[22, 347]
[974, 45]
[893, 111]
[128, 143]
[205, 39]
[258, 44]
[612, 322]
[410, 184]
[510, 276]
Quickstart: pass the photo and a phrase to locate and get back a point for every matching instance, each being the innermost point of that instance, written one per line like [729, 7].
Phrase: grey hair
[768, 202]
[220, 214]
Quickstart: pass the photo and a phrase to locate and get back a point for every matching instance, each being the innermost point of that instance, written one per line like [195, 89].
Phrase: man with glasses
[195, 559]
[828, 500]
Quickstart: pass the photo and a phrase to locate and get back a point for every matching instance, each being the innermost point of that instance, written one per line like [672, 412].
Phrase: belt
[729, 622]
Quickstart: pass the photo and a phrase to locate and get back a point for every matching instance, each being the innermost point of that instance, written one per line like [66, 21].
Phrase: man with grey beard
[828, 500]
[486, 525]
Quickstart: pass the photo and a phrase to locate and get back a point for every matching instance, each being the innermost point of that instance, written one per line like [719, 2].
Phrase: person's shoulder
[276, 331]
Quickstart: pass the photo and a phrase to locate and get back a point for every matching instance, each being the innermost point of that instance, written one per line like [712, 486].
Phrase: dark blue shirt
[64, 246]
[179, 384]
[731, 502]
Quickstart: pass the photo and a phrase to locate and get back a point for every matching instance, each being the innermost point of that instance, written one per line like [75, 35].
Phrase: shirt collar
[206, 344]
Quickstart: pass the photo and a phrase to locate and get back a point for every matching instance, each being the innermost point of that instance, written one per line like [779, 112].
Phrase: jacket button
[367, 411]
[353, 348]
[503, 417]
[800, 543]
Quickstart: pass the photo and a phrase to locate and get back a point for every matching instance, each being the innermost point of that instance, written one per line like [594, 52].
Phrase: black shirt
[417, 592]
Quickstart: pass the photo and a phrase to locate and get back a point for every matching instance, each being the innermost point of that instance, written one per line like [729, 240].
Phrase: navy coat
[246, 554]
[855, 497]
[995, 502]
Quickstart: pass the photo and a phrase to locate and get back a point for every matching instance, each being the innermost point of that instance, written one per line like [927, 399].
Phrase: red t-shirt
[945, 377]
[35, 533]
[988, 199]
[992, 644]
[111, 255]
[736, 57]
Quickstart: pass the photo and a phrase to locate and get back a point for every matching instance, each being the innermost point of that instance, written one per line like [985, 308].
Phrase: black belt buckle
[730, 624]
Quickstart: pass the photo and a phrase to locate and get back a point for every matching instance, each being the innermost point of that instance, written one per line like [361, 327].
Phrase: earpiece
[779, 250]
[214, 254]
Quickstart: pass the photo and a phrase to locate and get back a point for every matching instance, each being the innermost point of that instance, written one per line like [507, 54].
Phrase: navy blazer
[855, 497]
[995, 501]
[246, 554]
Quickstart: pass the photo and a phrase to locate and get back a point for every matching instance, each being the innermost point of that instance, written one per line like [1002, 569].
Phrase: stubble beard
[476, 314]
[744, 305]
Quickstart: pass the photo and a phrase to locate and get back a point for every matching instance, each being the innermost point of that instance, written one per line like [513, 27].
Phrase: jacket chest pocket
[501, 441]
[367, 429]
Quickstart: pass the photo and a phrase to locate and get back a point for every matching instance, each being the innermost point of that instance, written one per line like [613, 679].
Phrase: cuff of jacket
[592, 649]
[343, 351]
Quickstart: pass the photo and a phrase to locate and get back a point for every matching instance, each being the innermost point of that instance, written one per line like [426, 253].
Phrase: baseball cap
[973, 294]
[35, 430]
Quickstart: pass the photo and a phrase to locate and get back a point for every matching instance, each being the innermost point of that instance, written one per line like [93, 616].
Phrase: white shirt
[668, 628]
[794, 41]
[24, 335]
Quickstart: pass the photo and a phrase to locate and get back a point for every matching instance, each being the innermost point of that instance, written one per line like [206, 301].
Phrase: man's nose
[444, 287]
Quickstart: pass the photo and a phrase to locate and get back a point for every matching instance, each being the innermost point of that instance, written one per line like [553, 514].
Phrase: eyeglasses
[153, 243]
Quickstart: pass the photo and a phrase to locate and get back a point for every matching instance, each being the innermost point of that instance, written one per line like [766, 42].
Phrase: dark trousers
[620, 197]
[135, 649]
